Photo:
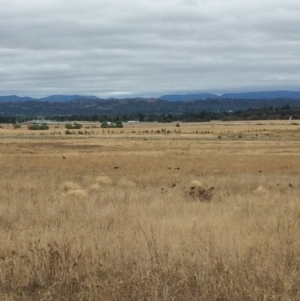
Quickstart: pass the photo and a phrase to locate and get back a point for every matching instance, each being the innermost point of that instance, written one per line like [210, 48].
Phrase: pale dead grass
[95, 186]
[274, 129]
[126, 183]
[67, 234]
[69, 186]
[261, 190]
[77, 193]
[103, 180]
[195, 184]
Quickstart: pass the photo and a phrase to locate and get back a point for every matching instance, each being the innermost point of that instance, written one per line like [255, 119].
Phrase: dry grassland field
[206, 211]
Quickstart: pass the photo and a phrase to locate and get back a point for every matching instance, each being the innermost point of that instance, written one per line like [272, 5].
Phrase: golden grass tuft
[261, 190]
[104, 180]
[95, 186]
[126, 183]
[80, 193]
[67, 186]
[195, 184]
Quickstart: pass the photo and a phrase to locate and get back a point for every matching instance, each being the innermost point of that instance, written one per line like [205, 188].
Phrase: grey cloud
[147, 47]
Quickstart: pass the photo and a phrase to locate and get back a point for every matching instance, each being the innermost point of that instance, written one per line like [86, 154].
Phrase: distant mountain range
[51, 98]
[176, 104]
[171, 97]
[248, 95]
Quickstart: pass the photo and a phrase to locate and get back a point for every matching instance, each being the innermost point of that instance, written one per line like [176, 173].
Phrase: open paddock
[111, 214]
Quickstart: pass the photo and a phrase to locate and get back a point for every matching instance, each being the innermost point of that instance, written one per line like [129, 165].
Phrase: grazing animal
[178, 168]
[260, 170]
[116, 167]
[64, 157]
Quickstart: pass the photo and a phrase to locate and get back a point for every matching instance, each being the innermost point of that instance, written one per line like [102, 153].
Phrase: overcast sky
[148, 47]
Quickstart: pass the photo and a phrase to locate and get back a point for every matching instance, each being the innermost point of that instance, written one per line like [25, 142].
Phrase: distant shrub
[119, 124]
[107, 125]
[67, 132]
[17, 126]
[38, 127]
[104, 125]
[73, 126]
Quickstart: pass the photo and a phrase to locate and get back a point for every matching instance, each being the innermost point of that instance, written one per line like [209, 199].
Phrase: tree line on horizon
[263, 113]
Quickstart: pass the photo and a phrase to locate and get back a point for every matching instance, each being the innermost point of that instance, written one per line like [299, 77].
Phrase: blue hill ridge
[247, 95]
[263, 95]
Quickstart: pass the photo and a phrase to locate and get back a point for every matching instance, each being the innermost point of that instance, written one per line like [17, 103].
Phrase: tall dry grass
[78, 229]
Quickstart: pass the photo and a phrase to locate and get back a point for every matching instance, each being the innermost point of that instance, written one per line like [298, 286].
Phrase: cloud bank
[127, 48]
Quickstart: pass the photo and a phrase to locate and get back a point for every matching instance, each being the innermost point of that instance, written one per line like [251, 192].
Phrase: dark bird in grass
[116, 167]
[260, 170]
[291, 185]
[178, 168]
[64, 157]
[173, 184]
[169, 167]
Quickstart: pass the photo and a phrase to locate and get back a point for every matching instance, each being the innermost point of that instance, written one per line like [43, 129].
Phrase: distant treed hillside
[51, 98]
[244, 96]
[263, 113]
[266, 95]
[139, 105]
